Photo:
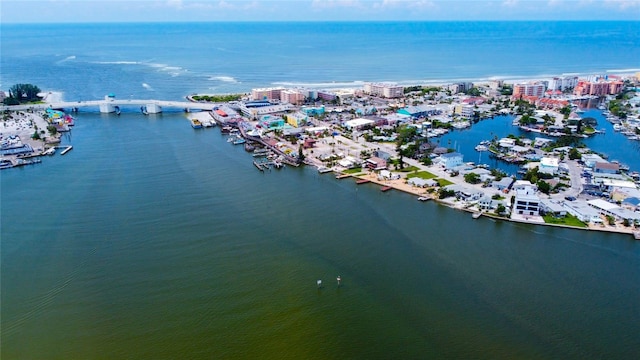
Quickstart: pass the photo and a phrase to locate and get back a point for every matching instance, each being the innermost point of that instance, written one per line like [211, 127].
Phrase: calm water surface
[152, 240]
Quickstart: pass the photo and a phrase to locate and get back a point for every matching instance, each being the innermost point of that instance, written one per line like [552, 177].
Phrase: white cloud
[510, 3]
[624, 4]
[332, 4]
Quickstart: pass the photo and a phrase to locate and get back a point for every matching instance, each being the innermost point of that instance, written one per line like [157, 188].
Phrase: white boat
[423, 198]
[481, 148]
[323, 169]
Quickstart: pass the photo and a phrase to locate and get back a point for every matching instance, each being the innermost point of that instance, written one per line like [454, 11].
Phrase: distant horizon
[309, 21]
[119, 11]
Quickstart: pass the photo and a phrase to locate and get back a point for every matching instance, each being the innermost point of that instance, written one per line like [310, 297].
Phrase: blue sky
[35, 11]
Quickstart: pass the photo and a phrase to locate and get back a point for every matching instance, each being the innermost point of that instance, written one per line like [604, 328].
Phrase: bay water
[153, 240]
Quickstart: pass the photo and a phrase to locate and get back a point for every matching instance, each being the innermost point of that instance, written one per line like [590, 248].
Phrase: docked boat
[482, 148]
[248, 147]
[476, 215]
[239, 140]
[196, 124]
[324, 169]
[423, 198]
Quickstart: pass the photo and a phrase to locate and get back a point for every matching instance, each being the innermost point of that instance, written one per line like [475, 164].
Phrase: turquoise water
[170, 61]
[152, 240]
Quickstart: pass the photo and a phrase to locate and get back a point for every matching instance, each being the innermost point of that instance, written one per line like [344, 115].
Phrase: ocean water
[174, 60]
[152, 240]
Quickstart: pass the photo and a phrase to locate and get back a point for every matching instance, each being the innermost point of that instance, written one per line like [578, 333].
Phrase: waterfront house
[420, 182]
[451, 160]
[487, 203]
[376, 163]
[619, 213]
[590, 160]
[387, 175]
[526, 201]
[552, 207]
[606, 167]
[583, 212]
[465, 193]
[506, 143]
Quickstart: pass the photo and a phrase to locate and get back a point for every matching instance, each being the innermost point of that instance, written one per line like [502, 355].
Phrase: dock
[362, 181]
[66, 149]
[385, 188]
[342, 176]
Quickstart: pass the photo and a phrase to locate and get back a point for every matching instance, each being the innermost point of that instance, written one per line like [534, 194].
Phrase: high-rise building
[384, 90]
[529, 89]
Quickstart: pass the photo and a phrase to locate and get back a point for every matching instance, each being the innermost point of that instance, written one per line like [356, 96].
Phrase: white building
[526, 202]
[357, 124]
[562, 83]
[548, 165]
[384, 90]
[451, 160]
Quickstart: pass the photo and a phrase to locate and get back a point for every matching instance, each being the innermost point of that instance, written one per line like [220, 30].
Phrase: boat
[636, 235]
[481, 148]
[6, 164]
[248, 147]
[424, 198]
[196, 124]
[476, 215]
[324, 169]
[50, 151]
[226, 129]
[239, 140]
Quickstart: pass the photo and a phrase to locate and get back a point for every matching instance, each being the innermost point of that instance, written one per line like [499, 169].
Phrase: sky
[71, 11]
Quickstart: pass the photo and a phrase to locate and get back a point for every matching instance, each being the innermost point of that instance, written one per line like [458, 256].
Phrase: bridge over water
[112, 105]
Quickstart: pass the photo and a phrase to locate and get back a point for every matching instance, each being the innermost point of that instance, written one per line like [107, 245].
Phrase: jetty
[66, 149]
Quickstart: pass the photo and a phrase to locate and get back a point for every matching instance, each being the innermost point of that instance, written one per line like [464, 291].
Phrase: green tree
[300, 154]
[24, 92]
[574, 154]
[544, 187]
[500, 209]
[472, 178]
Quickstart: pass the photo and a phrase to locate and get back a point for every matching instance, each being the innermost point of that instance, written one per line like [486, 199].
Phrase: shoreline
[401, 185]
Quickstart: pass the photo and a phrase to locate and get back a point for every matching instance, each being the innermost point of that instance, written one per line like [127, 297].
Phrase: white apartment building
[562, 83]
[384, 90]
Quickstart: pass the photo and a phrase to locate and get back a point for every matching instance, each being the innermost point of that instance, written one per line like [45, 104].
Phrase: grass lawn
[353, 171]
[443, 182]
[422, 175]
[568, 220]
[409, 169]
